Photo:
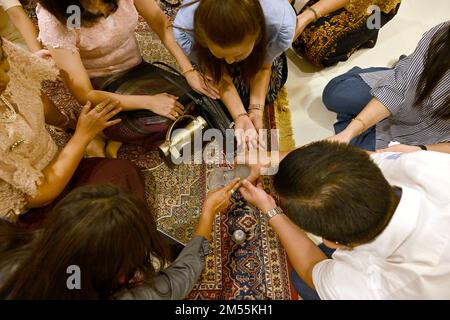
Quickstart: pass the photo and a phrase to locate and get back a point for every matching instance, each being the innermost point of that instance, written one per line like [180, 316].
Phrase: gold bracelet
[256, 106]
[187, 71]
[362, 122]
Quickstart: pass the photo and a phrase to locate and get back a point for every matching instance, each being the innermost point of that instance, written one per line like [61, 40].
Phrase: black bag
[147, 128]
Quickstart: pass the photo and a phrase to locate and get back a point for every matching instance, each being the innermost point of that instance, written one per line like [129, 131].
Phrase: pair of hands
[219, 200]
[246, 128]
[95, 119]
[168, 106]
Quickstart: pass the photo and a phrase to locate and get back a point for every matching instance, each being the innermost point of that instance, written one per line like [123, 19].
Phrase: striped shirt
[397, 89]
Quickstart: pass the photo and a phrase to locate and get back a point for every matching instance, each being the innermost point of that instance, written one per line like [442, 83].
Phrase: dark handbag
[213, 111]
[147, 128]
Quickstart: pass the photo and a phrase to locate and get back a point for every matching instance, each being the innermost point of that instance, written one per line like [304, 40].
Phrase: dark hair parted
[59, 8]
[228, 23]
[335, 191]
[104, 230]
[437, 64]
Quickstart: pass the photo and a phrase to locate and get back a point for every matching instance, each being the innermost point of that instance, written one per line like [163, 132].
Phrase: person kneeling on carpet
[384, 221]
[101, 242]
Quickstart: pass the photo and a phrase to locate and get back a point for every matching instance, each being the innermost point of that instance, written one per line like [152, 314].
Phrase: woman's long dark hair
[437, 64]
[58, 8]
[228, 23]
[106, 231]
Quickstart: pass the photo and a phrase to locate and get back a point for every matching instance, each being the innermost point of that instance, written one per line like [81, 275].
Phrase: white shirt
[411, 258]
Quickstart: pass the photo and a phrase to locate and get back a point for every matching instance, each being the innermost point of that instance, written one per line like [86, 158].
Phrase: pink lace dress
[21, 167]
[106, 48]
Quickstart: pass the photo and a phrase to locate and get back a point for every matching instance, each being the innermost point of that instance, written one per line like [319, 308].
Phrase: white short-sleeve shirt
[411, 258]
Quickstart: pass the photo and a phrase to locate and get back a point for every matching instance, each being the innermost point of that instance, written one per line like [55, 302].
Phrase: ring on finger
[232, 191]
[99, 108]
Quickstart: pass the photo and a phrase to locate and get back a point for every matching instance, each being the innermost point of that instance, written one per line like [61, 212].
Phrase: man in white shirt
[387, 215]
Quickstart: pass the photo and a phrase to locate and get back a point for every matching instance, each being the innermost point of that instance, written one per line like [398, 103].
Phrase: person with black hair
[110, 235]
[409, 104]
[386, 216]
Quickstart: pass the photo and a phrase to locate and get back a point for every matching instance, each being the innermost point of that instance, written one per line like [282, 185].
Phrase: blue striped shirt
[397, 89]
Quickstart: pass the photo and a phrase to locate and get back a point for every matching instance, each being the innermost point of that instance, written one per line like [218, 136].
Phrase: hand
[256, 116]
[219, 200]
[341, 137]
[303, 20]
[246, 134]
[94, 120]
[259, 162]
[43, 54]
[202, 85]
[257, 196]
[400, 148]
[165, 105]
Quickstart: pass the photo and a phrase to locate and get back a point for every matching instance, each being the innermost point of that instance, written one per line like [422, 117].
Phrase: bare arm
[58, 173]
[159, 23]
[259, 87]
[215, 201]
[302, 252]
[77, 79]
[322, 8]
[440, 147]
[25, 26]
[373, 113]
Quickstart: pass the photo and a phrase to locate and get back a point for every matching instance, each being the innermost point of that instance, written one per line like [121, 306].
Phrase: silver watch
[273, 212]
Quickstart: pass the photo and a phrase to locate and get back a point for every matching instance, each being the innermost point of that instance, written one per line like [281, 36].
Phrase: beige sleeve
[8, 4]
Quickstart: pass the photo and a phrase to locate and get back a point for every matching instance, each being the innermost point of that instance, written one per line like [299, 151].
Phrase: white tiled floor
[310, 120]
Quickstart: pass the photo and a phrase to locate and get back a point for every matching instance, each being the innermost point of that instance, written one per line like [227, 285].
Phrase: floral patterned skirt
[336, 36]
[277, 80]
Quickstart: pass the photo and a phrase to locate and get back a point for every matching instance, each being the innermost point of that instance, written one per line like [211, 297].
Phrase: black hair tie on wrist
[423, 147]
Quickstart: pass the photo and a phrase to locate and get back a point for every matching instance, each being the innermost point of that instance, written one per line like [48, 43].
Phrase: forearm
[169, 42]
[126, 102]
[26, 27]
[230, 97]
[160, 23]
[324, 7]
[373, 113]
[205, 224]
[259, 86]
[59, 172]
[302, 252]
[440, 147]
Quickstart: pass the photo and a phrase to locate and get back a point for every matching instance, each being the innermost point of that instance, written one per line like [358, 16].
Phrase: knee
[330, 95]
[343, 93]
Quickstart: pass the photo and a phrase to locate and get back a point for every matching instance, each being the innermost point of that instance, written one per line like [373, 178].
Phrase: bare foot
[112, 148]
[96, 148]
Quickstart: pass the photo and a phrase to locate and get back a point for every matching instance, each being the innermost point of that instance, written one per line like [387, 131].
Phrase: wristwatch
[273, 212]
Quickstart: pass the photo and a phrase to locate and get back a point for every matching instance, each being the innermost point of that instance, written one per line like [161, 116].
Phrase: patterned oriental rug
[256, 269]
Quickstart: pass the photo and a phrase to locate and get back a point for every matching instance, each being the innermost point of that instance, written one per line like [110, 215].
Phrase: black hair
[334, 191]
[437, 64]
[58, 8]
